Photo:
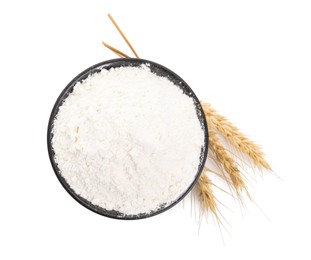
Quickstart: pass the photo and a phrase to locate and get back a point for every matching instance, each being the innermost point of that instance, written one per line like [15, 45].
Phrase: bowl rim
[114, 63]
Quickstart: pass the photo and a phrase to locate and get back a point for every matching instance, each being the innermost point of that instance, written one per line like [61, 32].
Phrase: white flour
[128, 140]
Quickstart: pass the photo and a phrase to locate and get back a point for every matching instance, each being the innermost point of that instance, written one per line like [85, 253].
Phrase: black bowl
[160, 71]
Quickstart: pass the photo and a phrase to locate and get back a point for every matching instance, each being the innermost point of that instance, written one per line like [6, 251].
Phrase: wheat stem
[116, 51]
[123, 35]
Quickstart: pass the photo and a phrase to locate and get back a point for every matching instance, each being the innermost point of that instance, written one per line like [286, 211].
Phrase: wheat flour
[128, 140]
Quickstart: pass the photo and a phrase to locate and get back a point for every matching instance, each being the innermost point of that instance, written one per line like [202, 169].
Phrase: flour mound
[128, 140]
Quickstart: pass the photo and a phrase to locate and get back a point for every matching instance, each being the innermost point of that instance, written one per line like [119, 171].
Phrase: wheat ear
[206, 195]
[233, 135]
[226, 162]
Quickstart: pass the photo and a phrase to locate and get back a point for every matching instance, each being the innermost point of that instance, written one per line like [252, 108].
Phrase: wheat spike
[207, 199]
[226, 162]
[235, 137]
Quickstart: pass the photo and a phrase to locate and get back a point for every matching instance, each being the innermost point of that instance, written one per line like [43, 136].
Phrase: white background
[250, 59]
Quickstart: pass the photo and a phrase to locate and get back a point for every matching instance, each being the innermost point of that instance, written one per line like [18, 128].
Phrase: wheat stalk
[235, 137]
[123, 35]
[116, 51]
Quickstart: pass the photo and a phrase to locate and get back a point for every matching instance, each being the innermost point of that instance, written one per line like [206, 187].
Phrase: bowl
[158, 70]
